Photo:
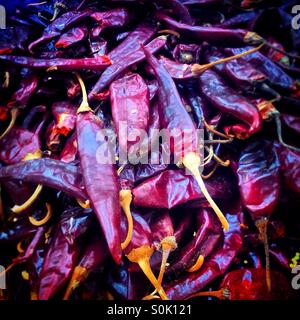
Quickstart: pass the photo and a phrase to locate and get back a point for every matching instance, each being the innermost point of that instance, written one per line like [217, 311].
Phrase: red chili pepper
[229, 101]
[259, 183]
[216, 36]
[71, 37]
[214, 266]
[131, 57]
[98, 64]
[100, 180]
[172, 187]
[69, 152]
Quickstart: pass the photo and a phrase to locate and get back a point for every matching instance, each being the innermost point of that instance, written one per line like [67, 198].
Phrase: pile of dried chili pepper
[79, 82]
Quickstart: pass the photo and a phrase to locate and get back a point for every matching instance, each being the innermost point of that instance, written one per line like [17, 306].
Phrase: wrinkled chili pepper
[71, 37]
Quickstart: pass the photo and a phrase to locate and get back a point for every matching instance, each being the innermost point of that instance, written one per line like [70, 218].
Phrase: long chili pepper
[71, 37]
[258, 174]
[174, 116]
[48, 172]
[172, 187]
[94, 255]
[118, 66]
[229, 101]
[215, 36]
[54, 29]
[99, 63]
[140, 250]
[100, 179]
[215, 265]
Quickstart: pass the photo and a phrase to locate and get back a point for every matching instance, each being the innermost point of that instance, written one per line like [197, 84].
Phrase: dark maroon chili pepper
[19, 230]
[98, 64]
[55, 29]
[215, 265]
[291, 122]
[69, 152]
[259, 184]
[32, 116]
[174, 116]
[178, 9]
[289, 167]
[48, 172]
[172, 187]
[241, 73]
[181, 227]
[109, 19]
[216, 36]
[95, 254]
[229, 101]
[274, 73]
[248, 284]
[118, 66]
[71, 37]
[100, 179]
[98, 47]
[60, 259]
[65, 118]
[191, 257]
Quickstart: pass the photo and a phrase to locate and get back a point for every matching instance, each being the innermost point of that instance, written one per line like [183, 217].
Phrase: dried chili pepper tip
[192, 162]
[141, 256]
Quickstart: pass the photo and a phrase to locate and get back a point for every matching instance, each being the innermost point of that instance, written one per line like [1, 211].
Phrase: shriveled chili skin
[214, 266]
[258, 177]
[229, 101]
[17, 231]
[48, 172]
[69, 152]
[130, 58]
[208, 235]
[172, 187]
[242, 74]
[71, 37]
[216, 36]
[161, 226]
[130, 106]
[100, 179]
[98, 64]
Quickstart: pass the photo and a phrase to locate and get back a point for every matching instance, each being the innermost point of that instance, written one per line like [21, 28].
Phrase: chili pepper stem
[43, 221]
[213, 130]
[84, 106]
[262, 226]
[14, 114]
[78, 275]
[276, 115]
[125, 201]
[207, 176]
[29, 202]
[220, 294]
[198, 69]
[84, 204]
[198, 264]
[142, 256]
[192, 162]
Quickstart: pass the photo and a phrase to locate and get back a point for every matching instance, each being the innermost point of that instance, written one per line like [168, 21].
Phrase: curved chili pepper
[71, 37]
[100, 179]
[118, 66]
[216, 36]
[48, 172]
[214, 266]
[259, 183]
[64, 22]
[143, 33]
[229, 101]
[172, 187]
[207, 237]
[174, 116]
[99, 63]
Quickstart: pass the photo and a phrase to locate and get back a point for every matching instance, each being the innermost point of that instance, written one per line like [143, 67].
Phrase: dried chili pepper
[71, 37]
